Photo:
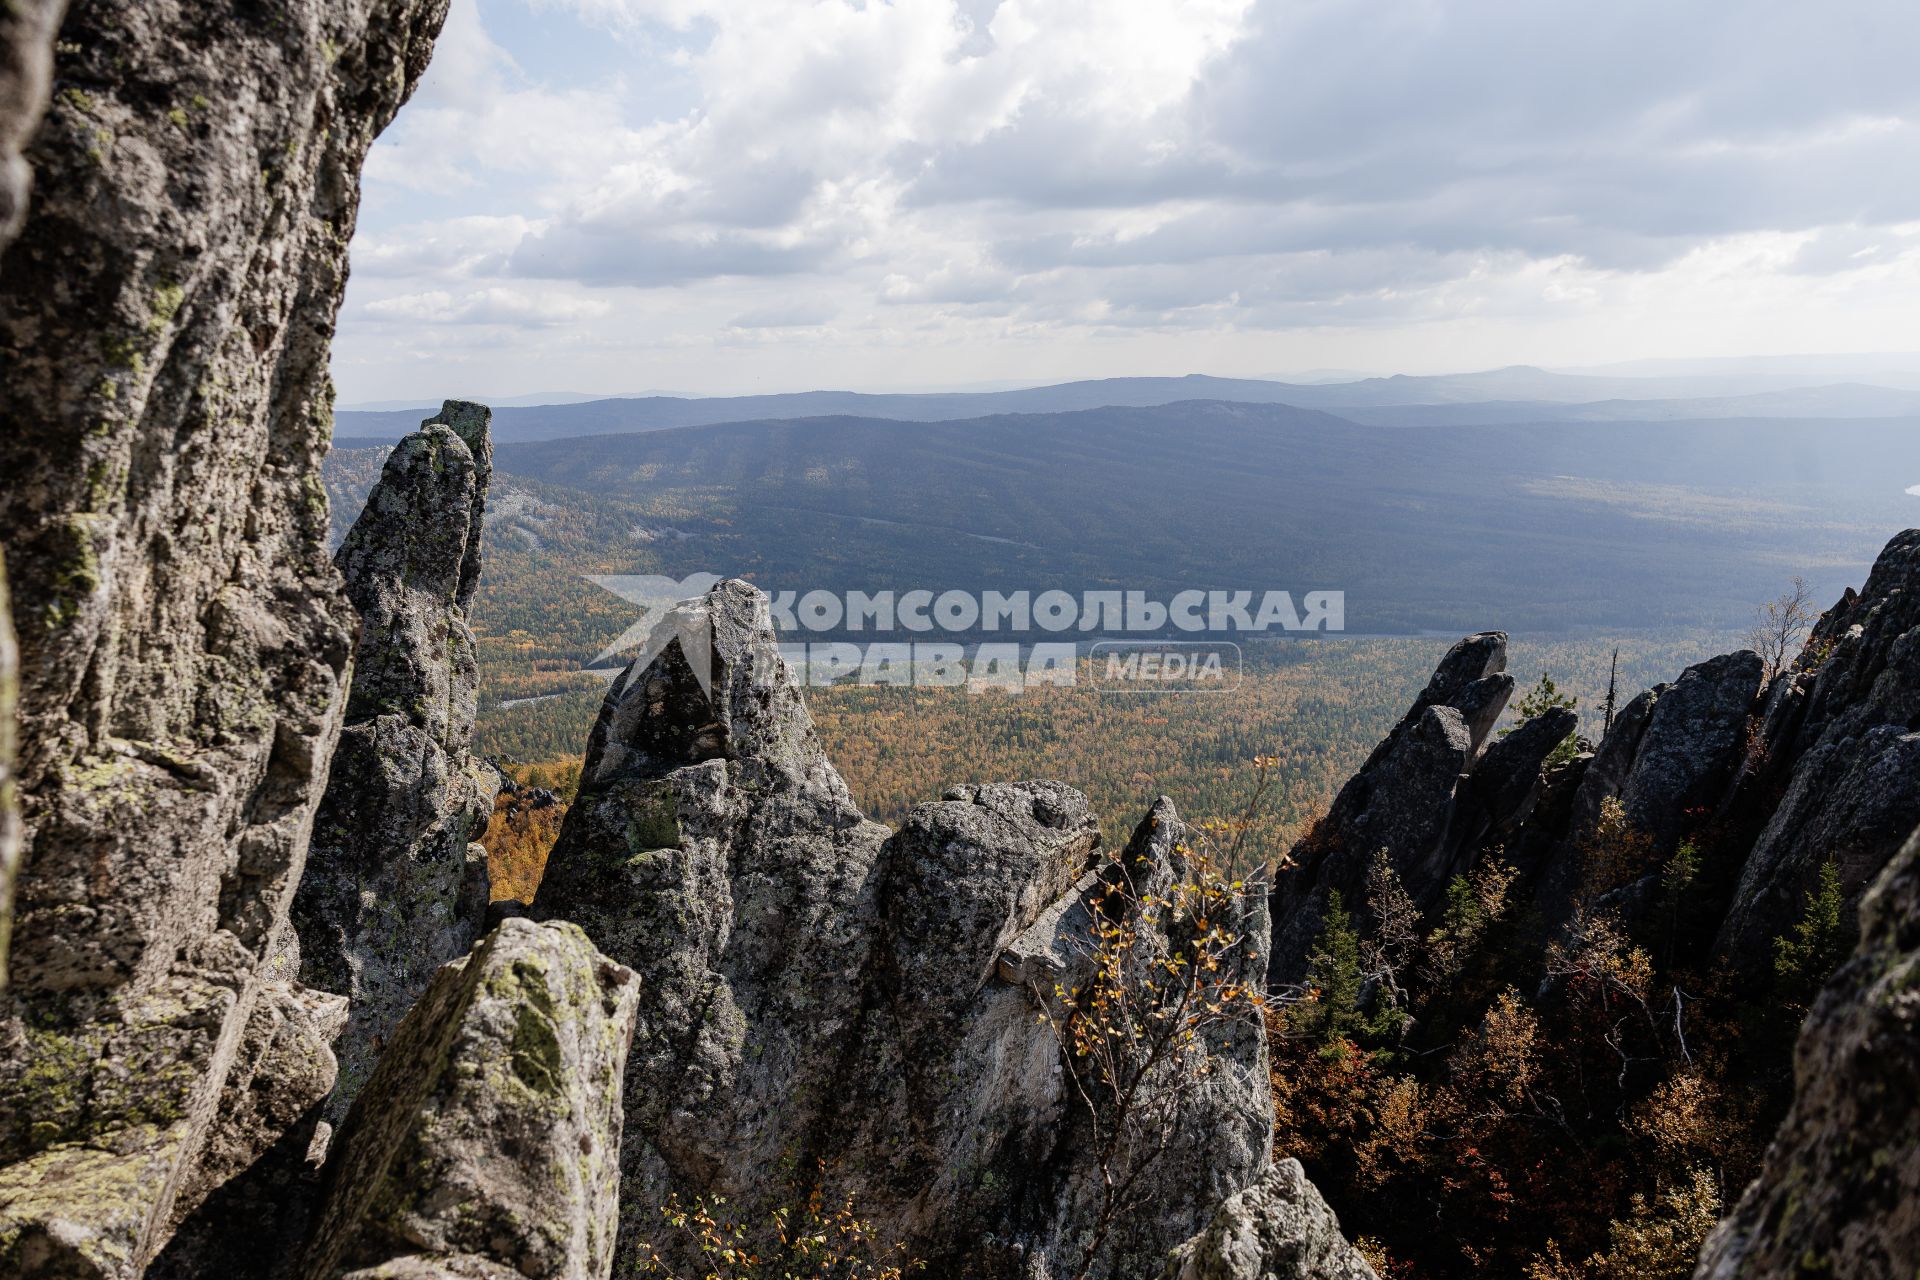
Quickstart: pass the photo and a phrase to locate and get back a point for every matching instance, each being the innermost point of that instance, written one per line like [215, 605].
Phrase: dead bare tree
[1780, 627]
[1613, 690]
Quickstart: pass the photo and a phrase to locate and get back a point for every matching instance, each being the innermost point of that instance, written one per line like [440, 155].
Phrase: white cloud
[486, 306]
[1372, 182]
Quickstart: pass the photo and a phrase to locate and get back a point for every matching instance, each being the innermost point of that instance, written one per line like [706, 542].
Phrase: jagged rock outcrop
[1277, 1229]
[1506, 782]
[27, 29]
[164, 318]
[1671, 760]
[9, 798]
[714, 850]
[827, 1007]
[1853, 754]
[1691, 746]
[487, 1142]
[1614, 757]
[1839, 1194]
[394, 888]
[976, 1135]
[1401, 801]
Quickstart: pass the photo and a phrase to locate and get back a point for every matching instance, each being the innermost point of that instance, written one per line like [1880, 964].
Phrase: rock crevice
[165, 312]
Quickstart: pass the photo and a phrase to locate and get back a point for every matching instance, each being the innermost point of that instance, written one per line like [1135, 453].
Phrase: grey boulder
[487, 1141]
[1277, 1229]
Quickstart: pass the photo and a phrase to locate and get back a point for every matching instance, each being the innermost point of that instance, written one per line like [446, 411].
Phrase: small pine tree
[1805, 958]
[1676, 883]
[1333, 974]
[1348, 1004]
[1539, 700]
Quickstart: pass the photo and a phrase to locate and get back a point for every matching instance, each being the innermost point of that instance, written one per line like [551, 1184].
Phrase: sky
[740, 196]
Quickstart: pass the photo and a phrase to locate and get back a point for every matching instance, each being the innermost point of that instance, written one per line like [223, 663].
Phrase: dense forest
[1590, 1128]
[1317, 707]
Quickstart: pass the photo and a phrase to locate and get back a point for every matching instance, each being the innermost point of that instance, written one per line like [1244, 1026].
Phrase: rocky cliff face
[488, 1141]
[1840, 1193]
[1845, 733]
[393, 887]
[164, 317]
[9, 797]
[825, 1007]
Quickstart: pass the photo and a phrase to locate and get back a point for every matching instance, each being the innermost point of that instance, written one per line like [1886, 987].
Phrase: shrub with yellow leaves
[1171, 982]
[822, 1242]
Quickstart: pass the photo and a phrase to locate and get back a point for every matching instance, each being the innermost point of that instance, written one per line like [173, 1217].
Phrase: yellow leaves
[1661, 1235]
[1499, 1061]
[829, 1243]
[1683, 1118]
[1617, 853]
[517, 840]
[1599, 951]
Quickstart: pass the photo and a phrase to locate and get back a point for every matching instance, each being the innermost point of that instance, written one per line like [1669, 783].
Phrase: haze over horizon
[1888, 369]
[769, 195]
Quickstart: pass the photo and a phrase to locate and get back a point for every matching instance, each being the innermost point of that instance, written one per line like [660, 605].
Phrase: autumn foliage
[526, 822]
[820, 1240]
[1481, 1096]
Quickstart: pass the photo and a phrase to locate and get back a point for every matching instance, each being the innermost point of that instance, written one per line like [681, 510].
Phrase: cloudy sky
[724, 196]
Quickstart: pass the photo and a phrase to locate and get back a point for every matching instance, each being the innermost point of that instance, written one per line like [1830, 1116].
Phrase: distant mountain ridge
[1518, 393]
[1639, 524]
[1835, 400]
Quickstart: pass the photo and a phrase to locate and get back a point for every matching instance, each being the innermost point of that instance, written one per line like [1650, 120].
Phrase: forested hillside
[1661, 551]
[1619, 525]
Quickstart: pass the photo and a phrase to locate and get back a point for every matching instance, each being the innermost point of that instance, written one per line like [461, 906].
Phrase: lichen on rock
[1277, 1229]
[165, 312]
[487, 1141]
[393, 887]
[27, 30]
[9, 793]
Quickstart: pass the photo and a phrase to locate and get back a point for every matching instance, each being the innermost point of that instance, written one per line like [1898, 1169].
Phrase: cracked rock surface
[824, 1006]
[487, 1142]
[393, 887]
[165, 313]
